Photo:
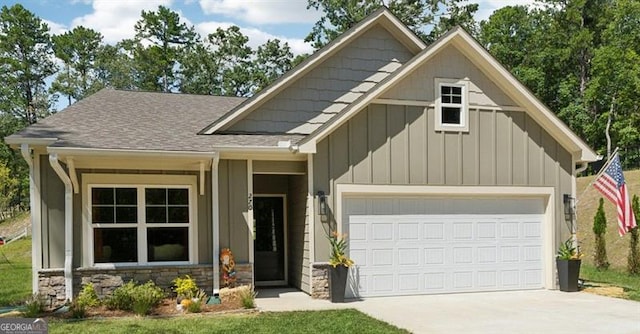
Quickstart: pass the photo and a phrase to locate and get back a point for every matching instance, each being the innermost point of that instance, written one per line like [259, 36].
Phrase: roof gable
[381, 17]
[480, 58]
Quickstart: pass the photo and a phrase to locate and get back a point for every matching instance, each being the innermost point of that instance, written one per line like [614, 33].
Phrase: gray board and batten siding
[328, 88]
[391, 144]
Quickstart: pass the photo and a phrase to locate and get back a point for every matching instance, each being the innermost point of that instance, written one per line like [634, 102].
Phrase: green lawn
[631, 284]
[334, 321]
[15, 272]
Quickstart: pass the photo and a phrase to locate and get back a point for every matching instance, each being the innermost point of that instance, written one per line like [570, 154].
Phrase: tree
[78, 49]
[599, 229]
[614, 90]
[340, 15]
[25, 62]
[115, 66]
[168, 36]
[633, 260]
[8, 187]
[272, 61]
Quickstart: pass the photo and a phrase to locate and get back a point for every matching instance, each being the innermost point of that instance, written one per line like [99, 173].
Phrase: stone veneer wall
[51, 281]
[320, 281]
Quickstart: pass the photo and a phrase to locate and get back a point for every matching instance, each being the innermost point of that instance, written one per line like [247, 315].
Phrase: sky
[260, 20]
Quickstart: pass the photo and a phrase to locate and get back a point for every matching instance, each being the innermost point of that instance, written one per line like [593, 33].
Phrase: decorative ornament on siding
[228, 265]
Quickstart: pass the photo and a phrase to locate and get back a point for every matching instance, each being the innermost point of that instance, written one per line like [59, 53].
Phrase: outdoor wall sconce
[569, 208]
[322, 203]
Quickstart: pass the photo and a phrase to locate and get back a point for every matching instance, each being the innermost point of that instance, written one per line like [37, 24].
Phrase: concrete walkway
[539, 311]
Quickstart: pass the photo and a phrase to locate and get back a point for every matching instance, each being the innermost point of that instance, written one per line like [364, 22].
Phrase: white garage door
[401, 249]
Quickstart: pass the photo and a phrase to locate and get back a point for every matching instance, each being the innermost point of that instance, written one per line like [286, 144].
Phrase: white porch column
[34, 207]
[215, 218]
[250, 222]
[68, 225]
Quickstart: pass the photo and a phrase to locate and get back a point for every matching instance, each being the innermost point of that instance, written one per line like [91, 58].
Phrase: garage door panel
[398, 254]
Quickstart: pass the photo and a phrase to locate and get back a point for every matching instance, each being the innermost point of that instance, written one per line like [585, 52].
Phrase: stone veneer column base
[320, 281]
[105, 281]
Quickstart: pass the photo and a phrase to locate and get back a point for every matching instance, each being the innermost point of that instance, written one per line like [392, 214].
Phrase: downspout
[35, 225]
[582, 167]
[215, 219]
[68, 225]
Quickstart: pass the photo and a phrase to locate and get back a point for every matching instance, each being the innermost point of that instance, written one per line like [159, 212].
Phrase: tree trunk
[606, 132]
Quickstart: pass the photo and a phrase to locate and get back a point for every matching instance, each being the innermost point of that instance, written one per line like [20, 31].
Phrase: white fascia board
[16, 141]
[81, 151]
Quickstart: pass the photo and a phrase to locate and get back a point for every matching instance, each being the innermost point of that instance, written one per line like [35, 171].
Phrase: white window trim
[141, 182]
[464, 117]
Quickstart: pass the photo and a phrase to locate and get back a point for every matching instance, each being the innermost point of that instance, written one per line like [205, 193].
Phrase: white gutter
[68, 225]
[35, 223]
[78, 151]
[215, 219]
[14, 141]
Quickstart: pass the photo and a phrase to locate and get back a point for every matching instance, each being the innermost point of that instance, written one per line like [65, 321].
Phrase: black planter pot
[568, 274]
[338, 283]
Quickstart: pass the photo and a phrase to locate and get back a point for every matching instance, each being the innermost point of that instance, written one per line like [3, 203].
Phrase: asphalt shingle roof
[116, 119]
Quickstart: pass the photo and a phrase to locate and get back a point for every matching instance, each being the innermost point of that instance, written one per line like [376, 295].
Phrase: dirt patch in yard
[605, 290]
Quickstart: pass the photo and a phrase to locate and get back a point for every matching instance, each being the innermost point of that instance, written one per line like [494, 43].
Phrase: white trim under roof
[14, 140]
[382, 16]
[490, 67]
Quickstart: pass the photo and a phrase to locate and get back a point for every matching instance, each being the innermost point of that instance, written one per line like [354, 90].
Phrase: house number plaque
[250, 202]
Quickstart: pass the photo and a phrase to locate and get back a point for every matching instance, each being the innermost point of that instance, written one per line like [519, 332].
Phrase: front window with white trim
[141, 224]
[451, 105]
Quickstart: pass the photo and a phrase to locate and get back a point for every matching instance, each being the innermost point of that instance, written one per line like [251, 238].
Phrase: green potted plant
[568, 263]
[340, 264]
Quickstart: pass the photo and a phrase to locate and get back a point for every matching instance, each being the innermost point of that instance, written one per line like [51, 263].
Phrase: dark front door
[269, 243]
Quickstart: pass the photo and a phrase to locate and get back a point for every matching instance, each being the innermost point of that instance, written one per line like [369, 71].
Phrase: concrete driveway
[539, 311]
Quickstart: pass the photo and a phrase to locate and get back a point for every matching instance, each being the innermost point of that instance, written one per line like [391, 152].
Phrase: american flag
[611, 184]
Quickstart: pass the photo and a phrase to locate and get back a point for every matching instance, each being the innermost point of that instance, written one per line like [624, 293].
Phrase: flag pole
[604, 167]
[574, 227]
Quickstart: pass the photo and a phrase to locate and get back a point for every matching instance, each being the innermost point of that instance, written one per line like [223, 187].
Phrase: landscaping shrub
[34, 306]
[248, 296]
[633, 260]
[86, 298]
[186, 287]
[121, 298]
[137, 298]
[145, 297]
[599, 229]
[196, 303]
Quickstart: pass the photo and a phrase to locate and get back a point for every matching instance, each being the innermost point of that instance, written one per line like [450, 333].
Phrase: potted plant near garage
[568, 264]
[339, 270]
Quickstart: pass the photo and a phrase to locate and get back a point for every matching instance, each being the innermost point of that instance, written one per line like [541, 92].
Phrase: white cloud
[262, 12]
[115, 19]
[55, 28]
[256, 36]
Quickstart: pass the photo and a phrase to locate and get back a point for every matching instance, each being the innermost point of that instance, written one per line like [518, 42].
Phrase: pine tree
[633, 261]
[599, 229]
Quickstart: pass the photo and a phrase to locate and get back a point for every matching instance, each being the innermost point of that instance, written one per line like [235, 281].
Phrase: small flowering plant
[338, 244]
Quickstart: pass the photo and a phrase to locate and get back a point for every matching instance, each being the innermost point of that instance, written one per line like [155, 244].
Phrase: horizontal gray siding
[391, 144]
[324, 91]
[449, 63]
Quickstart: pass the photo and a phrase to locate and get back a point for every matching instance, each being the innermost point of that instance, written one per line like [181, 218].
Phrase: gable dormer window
[452, 105]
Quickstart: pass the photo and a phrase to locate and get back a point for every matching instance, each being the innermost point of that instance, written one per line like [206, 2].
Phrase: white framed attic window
[133, 222]
[452, 105]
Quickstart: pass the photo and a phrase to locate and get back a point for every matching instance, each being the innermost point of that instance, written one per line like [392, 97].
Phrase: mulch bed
[167, 308]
